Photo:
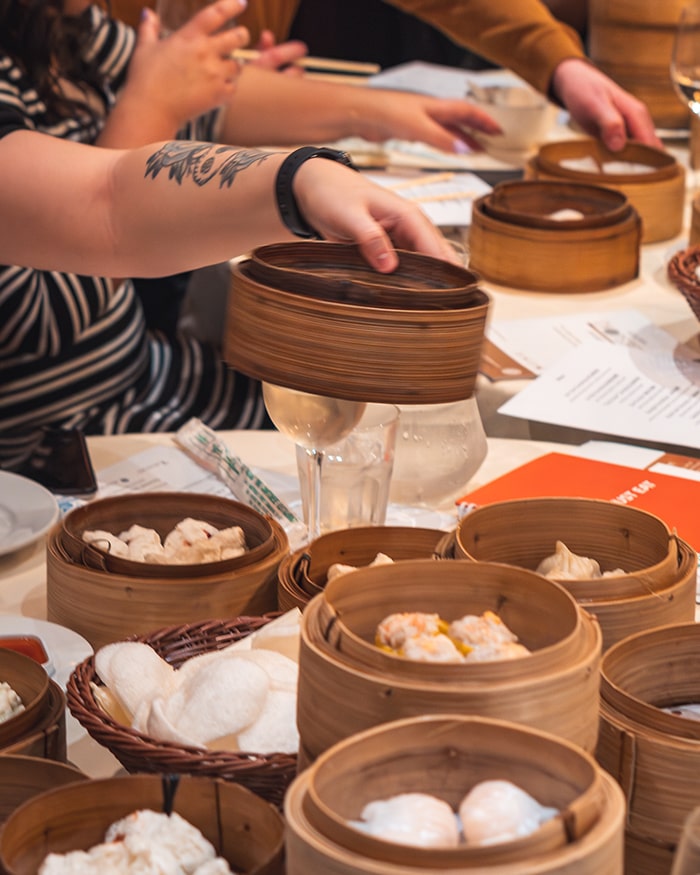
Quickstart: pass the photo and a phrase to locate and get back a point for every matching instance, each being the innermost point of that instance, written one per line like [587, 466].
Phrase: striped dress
[74, 350]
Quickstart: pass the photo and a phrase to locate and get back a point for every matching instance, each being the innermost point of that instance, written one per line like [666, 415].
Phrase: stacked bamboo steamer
[654, 755]
[657, 194]
[445, 756]
[303, 573]
[520, 229]
[107, 598]
[660, 580]
[347, 684]
[632, 41]
[315, 318]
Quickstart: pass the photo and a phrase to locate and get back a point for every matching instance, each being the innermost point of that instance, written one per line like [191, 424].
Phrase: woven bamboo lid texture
[658, 194]
[313, 317]
[684, 273]
[515, 239]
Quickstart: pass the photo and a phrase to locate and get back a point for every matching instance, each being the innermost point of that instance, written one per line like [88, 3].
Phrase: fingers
[282, 55]
[214, 17]
[149, 26]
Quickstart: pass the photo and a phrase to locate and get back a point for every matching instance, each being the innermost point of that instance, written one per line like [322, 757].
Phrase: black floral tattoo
[202, 162]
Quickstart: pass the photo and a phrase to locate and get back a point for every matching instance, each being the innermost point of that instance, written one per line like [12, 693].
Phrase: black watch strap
[286, 202]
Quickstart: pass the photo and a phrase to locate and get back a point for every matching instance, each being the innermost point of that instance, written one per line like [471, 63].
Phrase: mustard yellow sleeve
[519, 34]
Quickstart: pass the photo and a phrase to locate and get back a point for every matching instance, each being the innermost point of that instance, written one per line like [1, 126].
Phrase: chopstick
[308, 62]
[420, 180]
[446, 196]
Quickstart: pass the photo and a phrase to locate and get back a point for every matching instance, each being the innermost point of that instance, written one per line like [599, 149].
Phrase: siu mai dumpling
[500, 811]
[396, 629]
[416, 819]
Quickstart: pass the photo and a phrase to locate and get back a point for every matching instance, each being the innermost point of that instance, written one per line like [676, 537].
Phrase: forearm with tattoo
[202, 162]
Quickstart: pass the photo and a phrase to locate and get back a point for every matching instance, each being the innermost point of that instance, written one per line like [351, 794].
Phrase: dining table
[270, 455]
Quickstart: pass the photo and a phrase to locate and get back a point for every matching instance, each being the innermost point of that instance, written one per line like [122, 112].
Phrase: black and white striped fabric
[74, 350]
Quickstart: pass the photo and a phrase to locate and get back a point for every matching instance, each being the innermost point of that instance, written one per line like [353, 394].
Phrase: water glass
[356, 472]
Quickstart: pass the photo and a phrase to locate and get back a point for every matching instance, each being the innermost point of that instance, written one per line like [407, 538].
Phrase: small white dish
[27, 511]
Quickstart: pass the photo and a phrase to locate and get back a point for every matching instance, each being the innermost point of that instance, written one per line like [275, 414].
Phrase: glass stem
[316, 460]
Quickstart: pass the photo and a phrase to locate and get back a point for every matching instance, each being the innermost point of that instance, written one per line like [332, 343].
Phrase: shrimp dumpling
[416, 819]
[499, 811]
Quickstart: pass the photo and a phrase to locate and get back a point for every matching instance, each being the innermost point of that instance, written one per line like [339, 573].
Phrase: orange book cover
[675, 500]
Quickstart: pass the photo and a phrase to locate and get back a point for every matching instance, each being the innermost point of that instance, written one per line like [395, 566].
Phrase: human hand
[345, 207]
[280, 56]
[188, 72]
[441, 123]
[601, 107]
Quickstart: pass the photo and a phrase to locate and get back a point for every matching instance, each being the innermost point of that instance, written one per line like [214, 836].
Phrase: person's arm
[180, 205]
[274, 110]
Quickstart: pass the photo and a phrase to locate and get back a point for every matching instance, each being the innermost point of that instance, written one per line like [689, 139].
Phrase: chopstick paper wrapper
[202, 444]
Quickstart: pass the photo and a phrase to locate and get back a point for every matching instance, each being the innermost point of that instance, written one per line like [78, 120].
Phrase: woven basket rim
[130, 745]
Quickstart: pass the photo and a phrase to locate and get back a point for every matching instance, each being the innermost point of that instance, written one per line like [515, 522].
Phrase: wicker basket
[658, 195]
[659, 587]
[302, 574]
[268, 775]
[105, 605]
[423, 348]
[683, 266]
[655, 756]
[346, 684]
[244, 830]
[512, 237]
[445, 755]
[22, 777]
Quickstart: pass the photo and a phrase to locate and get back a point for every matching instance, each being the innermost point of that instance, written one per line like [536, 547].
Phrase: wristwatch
[286, 202]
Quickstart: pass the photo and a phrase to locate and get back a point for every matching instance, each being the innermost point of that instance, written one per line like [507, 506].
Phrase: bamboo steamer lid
[632, 41]
[331, 326]
[658, 195]
[515, 248]
[303, 573]
[445, 755]
[654, 756]
[658, 588]
[244, 829]
[104, 606]
[346, 684]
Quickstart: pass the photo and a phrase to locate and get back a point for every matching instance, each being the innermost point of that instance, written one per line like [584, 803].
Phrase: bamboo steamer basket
[658, 588]
[658, 195]
[46, 738]
[31, 683]
[445, 755]
[105, 606]
[267, 775]
[632, 41]
[509, 246]
[694, 238]
[245, 830]
[22, 777]
[333, 338]
[303, 573]
[655, 756]
[162, 511]
[346, 684]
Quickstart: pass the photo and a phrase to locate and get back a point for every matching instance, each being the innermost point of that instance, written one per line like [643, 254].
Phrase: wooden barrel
[653, 754]
[347, 684]
[445, 756]
[632, 41]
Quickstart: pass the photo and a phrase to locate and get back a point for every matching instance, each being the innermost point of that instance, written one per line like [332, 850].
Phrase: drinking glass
[313, 422]
[687, 858]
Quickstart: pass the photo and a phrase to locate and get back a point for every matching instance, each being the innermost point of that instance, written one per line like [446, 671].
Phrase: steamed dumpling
[416, 819]
[499, 811]
[563, 564]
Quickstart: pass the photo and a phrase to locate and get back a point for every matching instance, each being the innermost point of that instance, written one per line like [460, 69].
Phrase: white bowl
[525, 117]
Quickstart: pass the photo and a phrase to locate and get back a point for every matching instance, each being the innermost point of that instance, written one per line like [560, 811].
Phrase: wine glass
[685, 63]
[313, 422]
[687, 858]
